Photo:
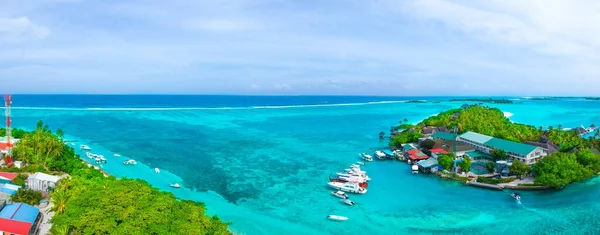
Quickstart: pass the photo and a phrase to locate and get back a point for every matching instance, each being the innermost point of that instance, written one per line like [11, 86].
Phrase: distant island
[491, 150]
[490, 100]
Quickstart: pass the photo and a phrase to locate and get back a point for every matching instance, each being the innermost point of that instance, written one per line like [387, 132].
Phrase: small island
[478, 145]
[490, 100]
[83, 200]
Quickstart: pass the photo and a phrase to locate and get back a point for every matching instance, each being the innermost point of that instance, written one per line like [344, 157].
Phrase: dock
[483, 185]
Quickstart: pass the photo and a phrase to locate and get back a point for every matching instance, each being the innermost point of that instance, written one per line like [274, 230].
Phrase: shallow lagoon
[265, 169]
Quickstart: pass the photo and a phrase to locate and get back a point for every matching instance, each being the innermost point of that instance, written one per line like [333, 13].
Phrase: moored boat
[366, 157]
[415, 169]
[175, 185]
[116, 155]
[348, 202]
[85, 147]
[130, 162]
[348, 187]
[360, 163]
[156, 170]
[340, 194]
[516, 196]
[337, 217]
[380, 155]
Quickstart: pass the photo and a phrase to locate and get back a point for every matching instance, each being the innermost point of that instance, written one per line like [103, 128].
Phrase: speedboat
[354, 166]
[366, 157]
[348, 202]
[340, 194]
[348, 187]
[516, 196]
[175, 185]
[415, 169]
[116, 155]
[337, 218]
[85, 147]
[156, 170]
[380, 155]
[360, 163]
[89, 155]
[130, 162]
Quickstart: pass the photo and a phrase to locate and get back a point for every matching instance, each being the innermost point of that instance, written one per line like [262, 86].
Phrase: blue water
[263, 162]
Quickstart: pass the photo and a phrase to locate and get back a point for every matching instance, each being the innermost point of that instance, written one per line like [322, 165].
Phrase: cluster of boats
[98, 158]
[351, 180]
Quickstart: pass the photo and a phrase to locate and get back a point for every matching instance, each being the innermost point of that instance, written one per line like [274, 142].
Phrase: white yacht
[116, 155]
[337, 217]
[130, 162]
[85, 147]
[380, 155]
[366, 157]
[415, 169]
[156, 170]
[340, 194]
[348, 187]
[351, 178]
[175, 185]
[360, 163]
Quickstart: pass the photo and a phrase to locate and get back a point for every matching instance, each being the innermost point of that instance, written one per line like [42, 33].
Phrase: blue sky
[339, 47]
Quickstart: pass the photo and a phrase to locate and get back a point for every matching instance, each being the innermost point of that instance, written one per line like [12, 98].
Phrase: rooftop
[510, 146]
[444, 135]
[476, 137]
[8, 176]
[44, 177]
[17, 218]
[428, 163]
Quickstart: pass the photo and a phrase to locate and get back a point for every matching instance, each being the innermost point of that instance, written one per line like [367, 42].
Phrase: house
[436, 152]
[428, 166]
[7, 177]
[19, 219]
[42, 182]
[443, 129]
[526, 153]
[443, 136]
[416, 155]
[428, 131]
[456, 115]
[4, 144]
[545, 144]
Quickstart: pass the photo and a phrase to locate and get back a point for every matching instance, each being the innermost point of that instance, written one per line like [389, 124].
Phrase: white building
[42, 182]
[526, 153]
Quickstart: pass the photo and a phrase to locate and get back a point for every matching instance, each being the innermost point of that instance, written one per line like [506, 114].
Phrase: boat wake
[205, 108]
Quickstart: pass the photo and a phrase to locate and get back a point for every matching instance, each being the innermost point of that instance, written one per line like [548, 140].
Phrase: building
[42, 182]
[7, 177]
[19, 219]
[4, 144]
[435, 152]
[526, 153]
[416, 155]
[428, 166]
[546, 144]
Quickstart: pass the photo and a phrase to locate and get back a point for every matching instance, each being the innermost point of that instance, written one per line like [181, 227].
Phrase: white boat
[72, 144]
[85, 147]
[354, 166]
[516, 196]
[89, 155]
[360, 163]
[175, 185]
[380, 155]
[348, 187]
[415, 169]
[116, 155]
[352, 178]
[348, 202]
[366, 157]
[337, 218]
[340, 194]
[156, 170]
[130, 162]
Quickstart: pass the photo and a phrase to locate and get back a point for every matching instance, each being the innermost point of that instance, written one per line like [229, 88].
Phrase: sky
[303, 47]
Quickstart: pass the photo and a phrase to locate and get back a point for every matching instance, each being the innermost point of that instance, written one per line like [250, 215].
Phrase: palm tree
[59, 198]
[60, 134]
[60, 230]
[405, 120]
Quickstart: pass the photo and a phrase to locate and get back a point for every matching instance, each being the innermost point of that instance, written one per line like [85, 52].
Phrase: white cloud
[21, 28]
[223, 25]
[282, 86]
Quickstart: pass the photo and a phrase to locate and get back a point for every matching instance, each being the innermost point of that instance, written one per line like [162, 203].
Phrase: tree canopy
[519, 168]
[89, 203]
[465, 164]
[560, 169]
[446, 161]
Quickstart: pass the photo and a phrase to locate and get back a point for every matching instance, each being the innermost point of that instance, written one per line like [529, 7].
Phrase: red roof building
[438, 151]
[417, 155]
[19, 219]
[8, 176]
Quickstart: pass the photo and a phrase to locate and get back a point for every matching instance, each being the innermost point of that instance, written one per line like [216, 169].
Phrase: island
[85, 200]
[482, 100]
[478, 145]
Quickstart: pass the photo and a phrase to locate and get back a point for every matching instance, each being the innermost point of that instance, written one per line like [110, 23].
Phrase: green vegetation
[89, 203]
[494, 181]
[519, 168]
[490, 166]
[465, 165]
[416, 101]
[592, 98]
[28, 196]
[20, 180]
[498, 155]
[14, 132]
[446, 161]
[561, 169]
[405, 137]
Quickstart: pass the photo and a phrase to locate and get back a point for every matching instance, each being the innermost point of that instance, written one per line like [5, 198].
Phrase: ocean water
[263, 162]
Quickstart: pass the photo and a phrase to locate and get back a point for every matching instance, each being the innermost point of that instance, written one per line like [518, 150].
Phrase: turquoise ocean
[262, 163]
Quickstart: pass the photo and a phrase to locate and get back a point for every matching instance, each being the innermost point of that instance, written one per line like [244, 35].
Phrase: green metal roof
[509, 146]
[477, 154]
[476, 137]
[443, 135]
[407, 147]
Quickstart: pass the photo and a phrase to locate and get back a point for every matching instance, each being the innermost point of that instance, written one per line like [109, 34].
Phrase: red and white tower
[8, 159]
